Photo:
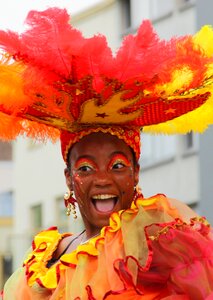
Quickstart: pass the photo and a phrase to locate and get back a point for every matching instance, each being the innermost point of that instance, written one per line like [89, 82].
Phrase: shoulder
[45, 244]
[49, 245]
[67, 244]
[48, 240]
[44, 247]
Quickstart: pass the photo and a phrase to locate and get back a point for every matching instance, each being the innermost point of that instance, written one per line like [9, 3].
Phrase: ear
[136, 175]
[68, 177]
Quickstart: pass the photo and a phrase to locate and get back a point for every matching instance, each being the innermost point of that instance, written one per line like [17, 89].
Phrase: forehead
[99, 144]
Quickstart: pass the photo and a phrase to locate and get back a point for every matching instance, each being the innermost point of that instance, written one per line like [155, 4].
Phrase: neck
[87, 236]
[91, 233]
[91, 230]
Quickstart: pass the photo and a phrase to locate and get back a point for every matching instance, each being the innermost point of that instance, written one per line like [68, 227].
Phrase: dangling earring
[69, 202]
[137, 193]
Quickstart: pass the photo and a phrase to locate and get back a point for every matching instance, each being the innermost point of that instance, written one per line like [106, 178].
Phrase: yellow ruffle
[46, 242]
[44, 245]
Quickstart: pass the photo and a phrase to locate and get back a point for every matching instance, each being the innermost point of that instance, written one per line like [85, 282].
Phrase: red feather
[142, 55]
[95, 59]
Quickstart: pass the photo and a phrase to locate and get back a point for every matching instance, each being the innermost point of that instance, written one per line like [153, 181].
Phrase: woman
[129, 258]
[132, 247]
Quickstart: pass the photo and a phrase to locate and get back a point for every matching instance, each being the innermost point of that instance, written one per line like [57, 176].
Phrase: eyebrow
[116, 153]
[90, 157]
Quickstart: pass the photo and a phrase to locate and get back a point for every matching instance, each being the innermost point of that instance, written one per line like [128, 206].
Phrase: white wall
[178, 178]
[180, 23]
[6, 176]
[39, 178]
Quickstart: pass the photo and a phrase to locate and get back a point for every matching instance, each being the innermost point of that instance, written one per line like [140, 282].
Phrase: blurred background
[32, 175]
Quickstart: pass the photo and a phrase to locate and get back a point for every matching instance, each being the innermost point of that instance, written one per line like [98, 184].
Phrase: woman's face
[102, 173]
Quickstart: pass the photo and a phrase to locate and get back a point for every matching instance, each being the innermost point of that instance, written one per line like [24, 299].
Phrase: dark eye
[85, 169]
[118, 165]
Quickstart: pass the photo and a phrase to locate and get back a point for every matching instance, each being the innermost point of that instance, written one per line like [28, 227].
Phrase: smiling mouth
[104, 202]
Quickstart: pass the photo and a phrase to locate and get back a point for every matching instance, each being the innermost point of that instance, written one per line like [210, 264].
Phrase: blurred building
[171, 165]
[204, 16]
[181, 166]
[6, 210]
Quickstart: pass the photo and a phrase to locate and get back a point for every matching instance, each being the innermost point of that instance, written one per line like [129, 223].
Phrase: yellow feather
[204, 39]
[12, 92]
[197, 121]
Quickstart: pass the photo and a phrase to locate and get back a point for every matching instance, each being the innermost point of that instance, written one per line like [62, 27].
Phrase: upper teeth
[103, 196]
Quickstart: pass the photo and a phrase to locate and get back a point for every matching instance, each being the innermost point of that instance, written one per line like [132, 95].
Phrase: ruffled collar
[47, 241]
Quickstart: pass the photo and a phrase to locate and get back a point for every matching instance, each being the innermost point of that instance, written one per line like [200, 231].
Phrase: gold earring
[73, 209]
[137, 193]
[69, 202]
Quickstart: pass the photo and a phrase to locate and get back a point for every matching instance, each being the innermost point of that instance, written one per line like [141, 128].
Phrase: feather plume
[142, 55]
[50, 41]
[50, 71]
[92, 60]
[11, 127]
[12, 95]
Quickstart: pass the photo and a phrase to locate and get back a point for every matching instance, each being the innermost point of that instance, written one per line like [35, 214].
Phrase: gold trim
[117, 131]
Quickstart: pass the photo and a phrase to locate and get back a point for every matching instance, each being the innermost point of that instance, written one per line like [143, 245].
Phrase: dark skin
[102, 166]
[99, 166]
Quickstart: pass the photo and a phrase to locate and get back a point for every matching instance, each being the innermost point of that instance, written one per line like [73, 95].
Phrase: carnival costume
[56, 83]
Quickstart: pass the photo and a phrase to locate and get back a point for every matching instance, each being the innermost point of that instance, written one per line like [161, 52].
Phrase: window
[157, 149]
[61, 217]
[190, 142]
[6, 204]
[7, 267]
[160, 9]
[126, 14]
[182, 4]
[134, 11]
[5, 151]
[187, 2]
[36, 217]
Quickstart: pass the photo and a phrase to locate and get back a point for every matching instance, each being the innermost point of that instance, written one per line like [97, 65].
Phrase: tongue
[104, 205]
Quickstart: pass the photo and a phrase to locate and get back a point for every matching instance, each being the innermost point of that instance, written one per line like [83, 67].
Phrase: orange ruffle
[146, 252]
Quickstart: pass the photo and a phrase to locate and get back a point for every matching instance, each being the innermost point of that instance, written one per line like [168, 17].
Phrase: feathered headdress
[54, 81]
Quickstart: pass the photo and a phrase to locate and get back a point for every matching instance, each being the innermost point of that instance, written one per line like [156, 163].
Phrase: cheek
[130, 177]
[77, 183]
[77, 186]
[126, 183]
[80, 187]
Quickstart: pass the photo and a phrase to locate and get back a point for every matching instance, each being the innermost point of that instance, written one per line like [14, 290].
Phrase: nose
[102, 179]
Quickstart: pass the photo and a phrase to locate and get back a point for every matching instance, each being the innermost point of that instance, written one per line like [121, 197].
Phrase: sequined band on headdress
[130, 136]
